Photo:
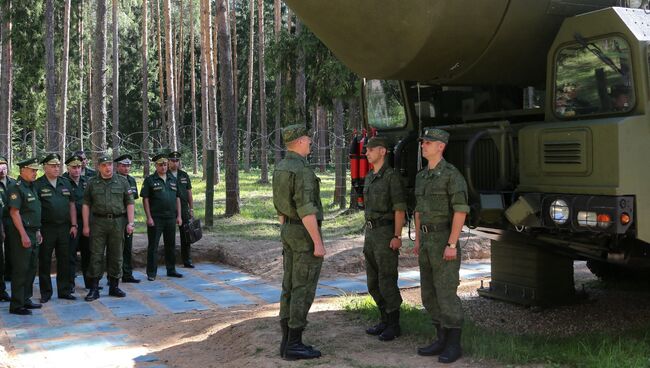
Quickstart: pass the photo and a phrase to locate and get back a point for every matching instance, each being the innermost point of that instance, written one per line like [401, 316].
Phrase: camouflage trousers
[381, 268]
[301, 272]
[106, 237]
[439, 280]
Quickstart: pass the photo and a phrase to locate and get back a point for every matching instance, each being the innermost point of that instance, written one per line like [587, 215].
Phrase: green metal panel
[445, 41]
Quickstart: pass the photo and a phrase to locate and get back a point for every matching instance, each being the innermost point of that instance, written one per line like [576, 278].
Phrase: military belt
[429, 228]
[289, 220]
[372, 224]
[109, 215]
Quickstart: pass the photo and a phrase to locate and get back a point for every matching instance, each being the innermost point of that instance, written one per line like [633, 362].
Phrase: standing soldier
[385, 211]
[85, 169]
[296, 197]
[187, 203]
[108, 199]
[24, 237]
[441, 207]
[80, 242]
[5, 270]
[123, 167]
[59, 225]
[162, 207]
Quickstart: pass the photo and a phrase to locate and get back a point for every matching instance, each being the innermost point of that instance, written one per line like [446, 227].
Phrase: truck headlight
[559, 211]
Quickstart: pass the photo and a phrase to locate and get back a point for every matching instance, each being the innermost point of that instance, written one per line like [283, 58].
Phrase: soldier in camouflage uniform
[187, 204]
[296, 197]
[86, 170]
[440, 211]
[80, 242]
[162, 206]
[5, 269]
[109, 201]
[123, 167]
[59, 225]
[24, 234]
[385, 212]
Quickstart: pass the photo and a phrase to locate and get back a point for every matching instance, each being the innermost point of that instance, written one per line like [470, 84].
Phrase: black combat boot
[452, 351]
[93, 290]
[284, 325]
[438, 345]
[392, 327]
[113, 290]
[295, 349]
[381, 326]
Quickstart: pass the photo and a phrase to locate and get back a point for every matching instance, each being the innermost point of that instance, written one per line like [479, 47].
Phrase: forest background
[138, 76]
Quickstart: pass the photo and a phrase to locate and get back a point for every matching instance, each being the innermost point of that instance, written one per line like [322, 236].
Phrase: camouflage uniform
[439, 193]
[55, 211]
[22, 196]
[384, 195]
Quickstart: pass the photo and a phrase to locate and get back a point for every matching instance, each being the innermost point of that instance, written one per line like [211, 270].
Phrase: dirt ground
[250, 336]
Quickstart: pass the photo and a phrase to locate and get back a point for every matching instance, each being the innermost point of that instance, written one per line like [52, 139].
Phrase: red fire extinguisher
[363, 167]
[354, 159]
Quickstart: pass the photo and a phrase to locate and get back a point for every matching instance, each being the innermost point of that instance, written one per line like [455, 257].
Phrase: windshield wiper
[594, 49]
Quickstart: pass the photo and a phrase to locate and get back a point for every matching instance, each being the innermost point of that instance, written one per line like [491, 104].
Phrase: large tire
[609, 272]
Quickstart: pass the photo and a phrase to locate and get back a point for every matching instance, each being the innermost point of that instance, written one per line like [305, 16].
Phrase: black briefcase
[192, 230]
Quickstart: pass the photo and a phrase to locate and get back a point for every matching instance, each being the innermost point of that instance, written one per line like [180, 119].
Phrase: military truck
[547, 103]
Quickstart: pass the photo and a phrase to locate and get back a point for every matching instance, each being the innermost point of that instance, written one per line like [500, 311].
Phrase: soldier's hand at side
[129, 228]
[73, 231]
[416, 247]
[25, 241]
[450, 254]
[319, 250]
[39, 237]
[86, 232]
[150, 222]
[395, 243]
[179, 221]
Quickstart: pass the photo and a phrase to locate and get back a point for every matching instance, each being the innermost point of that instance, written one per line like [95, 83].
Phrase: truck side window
[384, 104]
[594, 78]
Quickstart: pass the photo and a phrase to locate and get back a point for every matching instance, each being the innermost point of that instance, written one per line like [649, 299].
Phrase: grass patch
[590, 350]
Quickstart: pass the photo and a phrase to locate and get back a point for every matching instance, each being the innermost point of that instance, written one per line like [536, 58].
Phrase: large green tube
[443, 41]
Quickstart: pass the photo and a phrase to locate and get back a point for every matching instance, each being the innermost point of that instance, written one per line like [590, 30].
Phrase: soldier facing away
[123, 168]
[384, 212]
[24, 237]
[59, 225]
[440, 211]
[296, 197]
[109, 201]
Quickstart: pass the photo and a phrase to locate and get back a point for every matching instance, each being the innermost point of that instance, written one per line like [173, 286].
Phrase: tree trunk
[264, 139]
[301, 96]
[235, 63]
[354, 123]
[339, 154]
[80, 104]
[277, 24]
[6, 83]
[145, 90]
[99, 84]
[116, 82]
[230, 138]
[205, 99]
[52, 137]
[64, 78]
[214, 88]
[180, 85]
[323, 136]
[91, 109]
[249, 88]
[171, 95]
[195, 148]
[161, 78]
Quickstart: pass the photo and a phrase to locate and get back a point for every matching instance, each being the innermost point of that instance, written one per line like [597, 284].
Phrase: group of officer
[91, 212]
[440, 211]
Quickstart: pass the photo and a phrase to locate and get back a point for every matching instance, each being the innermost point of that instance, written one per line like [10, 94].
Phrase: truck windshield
[384, 104]
[594, 78]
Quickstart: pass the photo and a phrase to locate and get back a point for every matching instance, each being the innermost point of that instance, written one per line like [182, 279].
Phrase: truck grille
[563, 153]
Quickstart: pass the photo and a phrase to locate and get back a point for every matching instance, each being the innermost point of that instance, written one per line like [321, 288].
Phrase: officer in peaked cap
[80, 242]
[59, 225]
[187, 203]
[123, 164]
[24, 236]
[162, 207]
[439, 220]
[296, 198]
[112, 215]
[5, 252]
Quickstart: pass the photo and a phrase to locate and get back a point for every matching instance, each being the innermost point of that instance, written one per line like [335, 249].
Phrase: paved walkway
[63, 328]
